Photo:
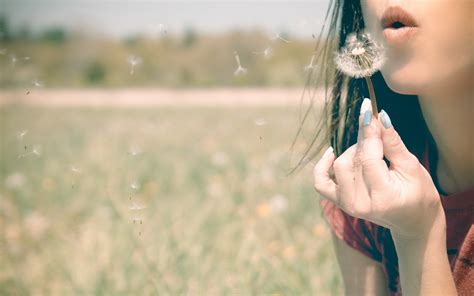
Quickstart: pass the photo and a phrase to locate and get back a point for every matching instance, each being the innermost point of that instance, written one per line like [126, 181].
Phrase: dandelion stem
[373, 100]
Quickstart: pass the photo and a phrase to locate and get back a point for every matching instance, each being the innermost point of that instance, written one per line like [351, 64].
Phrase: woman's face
[438, 55]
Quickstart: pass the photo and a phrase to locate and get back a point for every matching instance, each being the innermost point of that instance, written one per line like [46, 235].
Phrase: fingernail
[386, 122]
[366, 105]
[328, 151]
[367, 118]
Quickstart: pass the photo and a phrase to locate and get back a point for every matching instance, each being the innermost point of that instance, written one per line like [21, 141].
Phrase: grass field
[158, 201]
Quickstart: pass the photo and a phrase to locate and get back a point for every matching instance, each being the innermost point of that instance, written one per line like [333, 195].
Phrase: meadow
[158, 201]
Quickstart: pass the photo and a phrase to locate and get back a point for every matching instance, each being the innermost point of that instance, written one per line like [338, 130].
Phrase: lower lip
[400, 35]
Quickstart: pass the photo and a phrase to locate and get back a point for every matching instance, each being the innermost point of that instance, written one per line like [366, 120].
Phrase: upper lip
[396, 14]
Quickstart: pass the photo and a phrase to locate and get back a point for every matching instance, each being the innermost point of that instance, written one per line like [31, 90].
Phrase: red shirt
[376, 241]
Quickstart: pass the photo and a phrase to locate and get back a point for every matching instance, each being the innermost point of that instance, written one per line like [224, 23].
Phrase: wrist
[434, 235]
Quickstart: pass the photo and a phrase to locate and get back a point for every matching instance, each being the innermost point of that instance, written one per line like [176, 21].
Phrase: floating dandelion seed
[37, 83]
[134, 61]
[279, 37]
[361, 57]
[14, 59]
[163, 31]
[311, 65]
[36, 151]
[240, 69]
[75, 170]
[267, 52]
[137, 219]
[260, 121]
[135, 150]
[134, 186]
[22, 134]
[136, 207]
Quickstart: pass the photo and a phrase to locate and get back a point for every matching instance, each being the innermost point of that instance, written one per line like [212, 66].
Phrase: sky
[120, 18]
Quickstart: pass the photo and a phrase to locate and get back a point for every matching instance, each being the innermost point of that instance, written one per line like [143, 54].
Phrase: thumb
[394, 148]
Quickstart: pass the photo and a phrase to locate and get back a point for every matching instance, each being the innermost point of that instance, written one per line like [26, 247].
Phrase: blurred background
[146, 145]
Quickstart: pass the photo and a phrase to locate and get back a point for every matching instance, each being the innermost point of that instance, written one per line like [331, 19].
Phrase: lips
[398, 25]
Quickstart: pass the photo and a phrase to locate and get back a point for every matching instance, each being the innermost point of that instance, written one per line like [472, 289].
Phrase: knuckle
[368, 162]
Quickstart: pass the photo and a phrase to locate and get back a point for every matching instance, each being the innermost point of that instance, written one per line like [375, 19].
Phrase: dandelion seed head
[360, 57]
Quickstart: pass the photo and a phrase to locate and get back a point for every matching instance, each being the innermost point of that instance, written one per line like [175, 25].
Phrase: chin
[400, 83]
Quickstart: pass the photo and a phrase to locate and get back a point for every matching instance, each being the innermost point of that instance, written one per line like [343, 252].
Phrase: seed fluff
[360, 57]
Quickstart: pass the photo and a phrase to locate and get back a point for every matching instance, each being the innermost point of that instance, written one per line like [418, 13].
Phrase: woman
[397, 190]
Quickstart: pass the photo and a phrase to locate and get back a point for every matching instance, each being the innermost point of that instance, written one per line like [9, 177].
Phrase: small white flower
[360, 57]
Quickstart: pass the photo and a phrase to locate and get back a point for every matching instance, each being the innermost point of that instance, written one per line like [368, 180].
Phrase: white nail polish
[366, 105]
[328, 151]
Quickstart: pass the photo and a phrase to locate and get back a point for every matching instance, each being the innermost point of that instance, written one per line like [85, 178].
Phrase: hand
[401, 197]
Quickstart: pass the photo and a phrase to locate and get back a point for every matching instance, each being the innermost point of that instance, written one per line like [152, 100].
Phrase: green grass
[206, 176]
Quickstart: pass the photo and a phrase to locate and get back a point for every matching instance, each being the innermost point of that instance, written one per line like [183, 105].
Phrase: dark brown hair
[338, 124]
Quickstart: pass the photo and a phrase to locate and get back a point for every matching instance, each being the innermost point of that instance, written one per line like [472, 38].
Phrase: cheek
[441, 55]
